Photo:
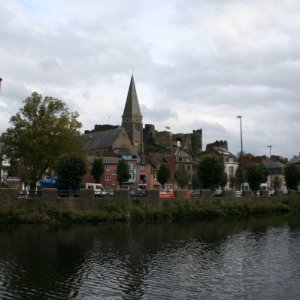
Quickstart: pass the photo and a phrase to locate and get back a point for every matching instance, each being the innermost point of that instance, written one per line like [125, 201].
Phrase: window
[107, 177]
[107, 167]
[155, 175]
[231, 171]
[142, 167]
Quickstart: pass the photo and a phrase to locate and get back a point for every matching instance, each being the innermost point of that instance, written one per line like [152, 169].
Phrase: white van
[97, 187]
[265, 187]
[245, 186]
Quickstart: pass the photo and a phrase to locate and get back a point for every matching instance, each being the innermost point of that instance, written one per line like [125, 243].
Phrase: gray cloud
[197, 64]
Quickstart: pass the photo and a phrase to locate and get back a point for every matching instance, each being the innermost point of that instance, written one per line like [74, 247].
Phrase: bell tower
[132, 119]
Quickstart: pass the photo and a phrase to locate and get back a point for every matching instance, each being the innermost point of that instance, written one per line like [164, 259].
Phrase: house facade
[230, 161]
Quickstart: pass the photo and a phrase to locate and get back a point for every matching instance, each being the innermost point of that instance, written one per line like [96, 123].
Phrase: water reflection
[254, 258]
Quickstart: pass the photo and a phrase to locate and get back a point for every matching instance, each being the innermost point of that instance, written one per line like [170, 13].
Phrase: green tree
[256, 174]
[211, 172]
[292, 176]
[196, 184]
[163, 174]
[182, 176]
[239, 177]
[122, 171]
[97, 169]
[70, 169]
[41, 131]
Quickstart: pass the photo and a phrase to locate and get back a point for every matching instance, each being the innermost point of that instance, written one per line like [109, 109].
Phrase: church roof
[101, 139]
[132, 107]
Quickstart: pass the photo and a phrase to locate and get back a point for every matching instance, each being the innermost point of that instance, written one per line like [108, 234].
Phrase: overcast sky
[196, 63]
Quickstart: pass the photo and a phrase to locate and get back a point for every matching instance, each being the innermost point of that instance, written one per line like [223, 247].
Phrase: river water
[257, 258]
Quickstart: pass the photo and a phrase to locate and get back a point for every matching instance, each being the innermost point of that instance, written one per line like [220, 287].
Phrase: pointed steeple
[132, 107]
[132, 119]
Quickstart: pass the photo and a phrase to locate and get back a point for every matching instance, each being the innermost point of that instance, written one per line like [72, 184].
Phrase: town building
[220, 149]
[127, 142]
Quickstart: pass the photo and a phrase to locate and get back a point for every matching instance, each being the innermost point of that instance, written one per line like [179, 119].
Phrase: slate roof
[274, 164]
[106, 160]
[101, 139]
[295, 160]
[132, 107]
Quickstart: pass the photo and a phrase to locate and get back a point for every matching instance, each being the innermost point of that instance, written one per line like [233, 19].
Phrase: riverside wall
[48, 199]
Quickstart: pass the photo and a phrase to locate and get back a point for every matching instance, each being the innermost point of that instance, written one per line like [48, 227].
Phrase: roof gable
[101, 139]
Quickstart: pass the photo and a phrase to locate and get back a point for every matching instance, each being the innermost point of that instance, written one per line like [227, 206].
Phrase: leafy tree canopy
[40, 132]
[122, 171]
[239, 175]
[211, 172]
[182, 176]
[292, 176]
[97, 169]
[196, 184]
[256, 174]
[70, 169]
[163, 174]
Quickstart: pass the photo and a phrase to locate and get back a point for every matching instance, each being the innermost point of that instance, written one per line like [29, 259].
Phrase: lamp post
[270, 146]
[242, 158]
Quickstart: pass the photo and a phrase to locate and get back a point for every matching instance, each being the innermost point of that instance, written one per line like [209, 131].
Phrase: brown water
[250, 259]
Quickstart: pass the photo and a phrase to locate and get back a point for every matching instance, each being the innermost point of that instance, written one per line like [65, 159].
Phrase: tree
[239, 177]
[292, 176]
[196, 184]
[122, 171]
[256, 174]
[41, 131]
[97, 169]
[70, 169]
[163, 174]
[182, 176]
[211, 172]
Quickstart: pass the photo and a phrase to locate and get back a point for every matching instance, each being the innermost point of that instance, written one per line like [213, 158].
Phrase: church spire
[132, 107]
[132, 119]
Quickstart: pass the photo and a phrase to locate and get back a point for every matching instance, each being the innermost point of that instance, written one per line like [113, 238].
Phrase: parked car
[108, 193]
[196, 193]
[217, 193]
[166, 194]
[137, 193]
[237, 193]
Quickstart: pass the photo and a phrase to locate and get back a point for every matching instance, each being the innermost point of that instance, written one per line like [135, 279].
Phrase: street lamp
[270, 146]
[242, 159]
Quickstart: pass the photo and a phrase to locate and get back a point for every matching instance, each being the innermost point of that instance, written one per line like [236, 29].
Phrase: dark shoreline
[33, 211]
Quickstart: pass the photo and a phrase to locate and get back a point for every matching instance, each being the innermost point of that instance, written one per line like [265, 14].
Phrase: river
[257, 258]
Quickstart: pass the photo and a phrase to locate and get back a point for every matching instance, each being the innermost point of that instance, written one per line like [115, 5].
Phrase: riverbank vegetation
[169, 211]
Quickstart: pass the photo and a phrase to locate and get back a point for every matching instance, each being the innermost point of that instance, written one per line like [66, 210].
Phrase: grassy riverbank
[169, 211]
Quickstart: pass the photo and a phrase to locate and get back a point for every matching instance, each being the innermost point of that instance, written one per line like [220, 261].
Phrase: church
[127, 138]
[127, 142]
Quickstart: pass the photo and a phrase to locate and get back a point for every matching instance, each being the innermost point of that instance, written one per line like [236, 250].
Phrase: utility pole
[270, 146]
[242, 152]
